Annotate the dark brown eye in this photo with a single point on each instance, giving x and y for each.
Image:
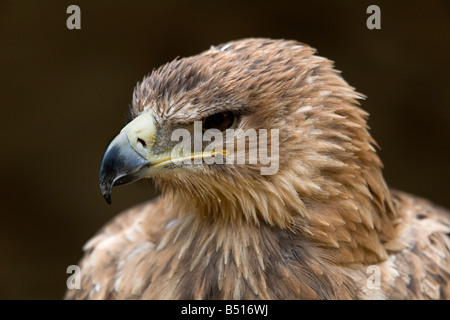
(221, 121)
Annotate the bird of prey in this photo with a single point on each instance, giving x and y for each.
(323, 225)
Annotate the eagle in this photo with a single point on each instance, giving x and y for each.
(323, 224)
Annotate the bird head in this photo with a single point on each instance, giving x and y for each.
(261, 129)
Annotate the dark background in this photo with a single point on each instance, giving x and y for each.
(64, 95)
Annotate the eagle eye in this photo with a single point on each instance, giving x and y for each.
(220, 121)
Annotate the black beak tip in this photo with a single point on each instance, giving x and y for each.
(107, 198)
(105, 188)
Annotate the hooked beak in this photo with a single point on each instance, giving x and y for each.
(126, 158)
(120, 165)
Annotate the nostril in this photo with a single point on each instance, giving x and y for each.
(139, 140)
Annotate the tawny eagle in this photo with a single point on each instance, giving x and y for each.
(325, 225)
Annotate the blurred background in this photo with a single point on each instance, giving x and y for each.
(64, 95)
